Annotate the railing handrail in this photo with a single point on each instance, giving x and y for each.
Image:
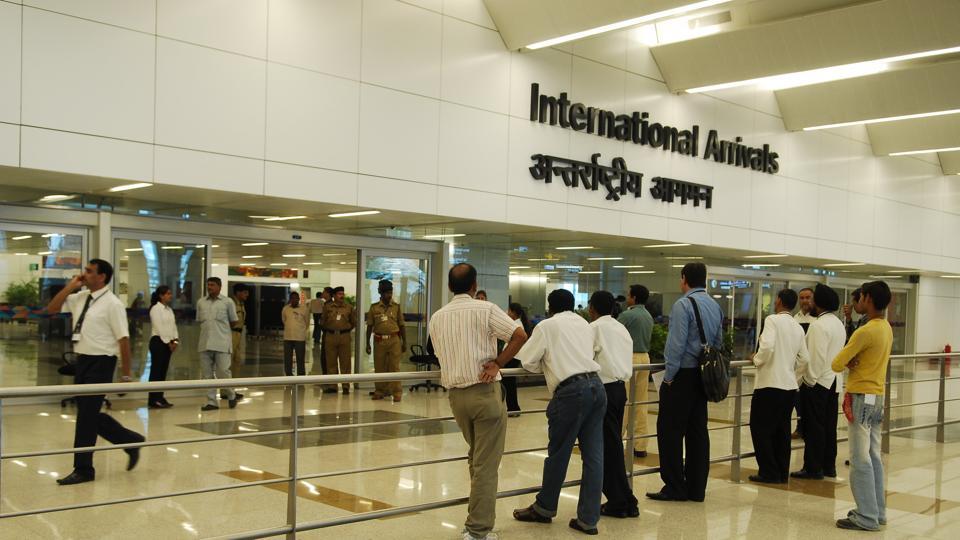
(285, 380)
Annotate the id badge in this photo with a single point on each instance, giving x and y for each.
(338, 316)
(870, 399)
(383, 318)
(76, 337)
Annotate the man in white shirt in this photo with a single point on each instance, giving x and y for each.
(818, 393)
(613, 351)
(216, 313)
(100, 333)
(296, 320)
(464, 335)
(782, 354)
(562, 348)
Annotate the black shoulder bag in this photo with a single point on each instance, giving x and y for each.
(714, 364)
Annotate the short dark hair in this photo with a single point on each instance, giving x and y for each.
(103, 267)
(216, 280)
(879, 292)
(294, 293)
(856, 294)
(339, 289)
(328, 290)
(239, 288)
(483, 292)
(319, 294)
(461, 278)
(602, 302)
(788, 298)
(825, 298)
(560, 300)
(639, 293)
(695, 273)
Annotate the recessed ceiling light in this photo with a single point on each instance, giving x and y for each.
(261, 217)
(574, 247)
(44, 253)
(24, 237)
(284, 218)
(665, 245)
(591, 272)
(772, 256)
(133, 249)
(128, 187)
(354, 214)
(549, 272)
(200, 246)
(929, 151)
(215, 246)
(605, 258)
(251, 256)
(950, 277)
(534, 260)
(626, 23)
(684, 258)
(888, 276)
(835, 265)
(311, 263)
(568, 266)
(55, 198)
(630, 266)
(21, 253)
(294, 255)
(278, 264)
(759, 265)
(50, 235)
(451, 235)
(518, 267)
(643, 272)
(171, 247)
(251, 244)
(884, 119)
(677, 265)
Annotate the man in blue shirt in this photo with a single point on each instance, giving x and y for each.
(683, 403)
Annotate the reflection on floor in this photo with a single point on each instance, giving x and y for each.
(313, 492)
(327, 438)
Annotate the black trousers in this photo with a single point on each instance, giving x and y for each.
(90, 421)
(819, 428)
(317, 329)
(159, 364)
(289, 348)
(770, 411)
(510, 387)
(616, 486)
(682, 422)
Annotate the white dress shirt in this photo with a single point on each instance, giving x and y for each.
(560, 347)
(782, 354)
(163, 323)
(825, 338)
(613, 349)
(464, 334)
(104, 324)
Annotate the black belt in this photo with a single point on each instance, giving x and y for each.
(237, 330)
(337, 332)
(577, 377)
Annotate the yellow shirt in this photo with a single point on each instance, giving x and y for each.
(870, 345)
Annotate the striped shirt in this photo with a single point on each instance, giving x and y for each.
(464, 334)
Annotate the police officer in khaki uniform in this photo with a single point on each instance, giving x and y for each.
(240, 294)
(385, 324)
(339, 320)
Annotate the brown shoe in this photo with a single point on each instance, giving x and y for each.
(376, 397)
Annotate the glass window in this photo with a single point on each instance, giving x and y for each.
(410, 290)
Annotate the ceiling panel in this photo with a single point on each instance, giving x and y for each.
(916, 134)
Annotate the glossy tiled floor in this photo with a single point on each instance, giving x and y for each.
(924, 476)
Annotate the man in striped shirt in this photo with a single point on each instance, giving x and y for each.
(464, 335)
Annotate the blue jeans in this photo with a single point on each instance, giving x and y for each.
(866, 467)
(575, 413)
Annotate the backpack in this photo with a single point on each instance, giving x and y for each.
(714, 364)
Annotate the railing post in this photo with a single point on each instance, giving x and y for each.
(885, 438)
(942, 405)
(738, 414)
(632, 420)
(292, 466)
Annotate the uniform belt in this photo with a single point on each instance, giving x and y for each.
(237, 330)
(577, 377)
(384, 337)
(336, 332)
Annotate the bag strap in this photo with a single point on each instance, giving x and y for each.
(696, 313)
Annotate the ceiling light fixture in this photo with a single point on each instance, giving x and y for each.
(950, 277)
(605, 258)
(821, 75)
(21, 253)
(626, 23)
(567, 248)
(24, 237)
(311, 263)
(128, 187)
(534, 260)
(759, 265)
(677, 265)
(665, 245)
(260, 217)
(334, 254)
(278, 264)
(294, 255)
(251, 256)
(591, 272)
(284, 218)
(171, 247)
(772, 256)
(888, 276)
(451, 235)
(884, 119)
(835, 265)
(630, 266)
(133, 249)
(50, 235)
(251, 244)
(518, 267)
(643, 272)
(928, 151)
(354, 214)
(549, 272)
(44, 253)
(692, 258)
(55, 198)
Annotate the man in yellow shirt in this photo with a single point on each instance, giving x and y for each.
(867, 355)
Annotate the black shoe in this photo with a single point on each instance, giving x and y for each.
(621, 514)
(806, 475)
(346, 391)
(223, 395)
(530, 515)
(76, 477)
(661, 496)
(133, 456)
(233, 402)
(851, 526)
(831, 473)
(329, 390)
(575, 525)
(209, 407)
(639, 453)
(155, 406)
(763, 480)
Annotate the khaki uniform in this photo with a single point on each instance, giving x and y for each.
(338, 321)
(387, 325)
(236, 359)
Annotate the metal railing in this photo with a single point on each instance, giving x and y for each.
(295, 384)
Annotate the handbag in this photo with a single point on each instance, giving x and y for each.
(714, 364)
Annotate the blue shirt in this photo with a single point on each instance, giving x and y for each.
(683, 339)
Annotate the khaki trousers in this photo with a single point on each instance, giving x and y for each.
(236, 358)
(386, 359)
(338, 354)
(642, 381)
(480, 412)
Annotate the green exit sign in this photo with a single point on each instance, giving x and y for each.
(34, 266)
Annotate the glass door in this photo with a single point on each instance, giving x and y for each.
(409, 273)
